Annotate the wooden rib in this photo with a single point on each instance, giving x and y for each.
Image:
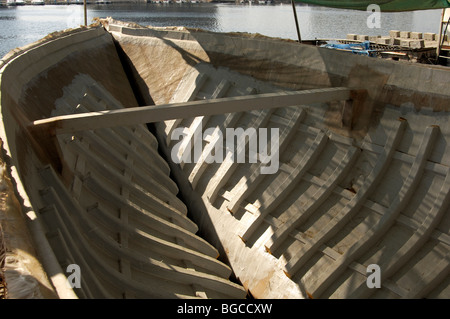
(318, 198)
(101, 93)
(171, 230)
(135, 138)
(142, 180)
(163, 225)
(65, 256)
(90, 283)
(154, 204)
(149, 157)
(247, 184)
(200, 166)
(153, 221)
(195, 80)
(431, 279)
(310, 248)
(228, 166)
(221, 89)
(132, 139)
(381, 210)
(148, 265)
(357, 267)
(198, 122)
(128, 142)
(190, 94)
(123, 236)
(146, 217)
(107, 102)
(171, 125)
(422, 234)
(144, 184)
(290, 182)
(361, 269)
(194, 135)
(437, 168)
(112, 155)
(145, 137)
(199, 291)
(157, 113)
(402, 219)
(386, 221)
(165, 248)
(84, 242)
(417, 240)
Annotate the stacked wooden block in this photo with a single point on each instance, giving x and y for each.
(408, 39)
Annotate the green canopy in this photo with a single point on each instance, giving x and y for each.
(385, 5)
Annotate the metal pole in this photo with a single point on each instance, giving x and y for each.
(85, 12)
(296, 21)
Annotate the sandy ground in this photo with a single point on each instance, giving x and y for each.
(18, 262)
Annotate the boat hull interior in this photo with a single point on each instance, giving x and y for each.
(360, 183)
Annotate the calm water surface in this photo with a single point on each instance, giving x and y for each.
(22, 25)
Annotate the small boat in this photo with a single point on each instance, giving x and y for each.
(38, 2)
(119, 160)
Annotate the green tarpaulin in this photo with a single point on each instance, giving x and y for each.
(385, 5)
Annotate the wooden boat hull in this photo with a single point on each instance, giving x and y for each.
(101, 201)
(361, 182)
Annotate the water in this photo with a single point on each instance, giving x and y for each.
(25, 24)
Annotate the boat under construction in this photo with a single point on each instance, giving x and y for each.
(111, 136)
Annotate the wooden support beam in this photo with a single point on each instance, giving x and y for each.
(157, 113)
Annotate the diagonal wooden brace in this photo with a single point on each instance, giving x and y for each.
(157, 113)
